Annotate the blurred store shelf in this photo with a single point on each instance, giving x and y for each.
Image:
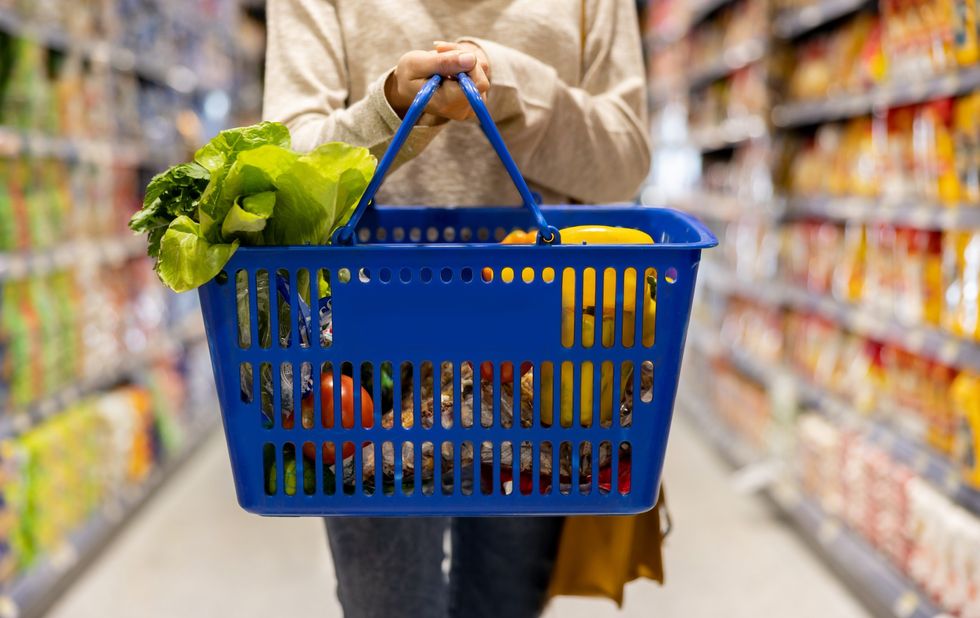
(736, 57)
(866, 571)
(920, 339)
(42, 262)
(17, 421)
(177, 77)
(912, 212)
(34, 592)
(730, 133)
(875, 426)
(724, 207)
(898, 92)
(15, 142)
(792, 23)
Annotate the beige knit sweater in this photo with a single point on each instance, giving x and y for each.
(571, 105)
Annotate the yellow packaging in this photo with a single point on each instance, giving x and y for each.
(965, 399)
(967, 48)
(966, 136)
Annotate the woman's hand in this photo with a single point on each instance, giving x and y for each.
(447, 59)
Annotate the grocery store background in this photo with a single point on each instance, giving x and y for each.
(824, 461)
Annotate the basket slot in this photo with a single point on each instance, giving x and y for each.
(568, 304)
(403, 390)
(401, 468)
(606, 387)
(447, 465)
(425, 395)
(566, 468)
(629, 318)
(608, 294)
(489, 473)
(287, 417)
(465, 396)
(648, 320)
(328, 482)
(591, 311)
(246, 382)
(388, 464)
(305, 310)
(547, 471)
(627, 400)
(428, 472)
(262, 313)
(447, 396)
(355, 470)
(523, 468)
(306, 399)
(382, 404)
(243, 314)
(624, 479)
(417, 411)
(497, 384)
(282, 316)
(544, 400)
(585, 473)
(267, 398)
(348, 473)
(507, 465)
(326, 407)
(467, 473)
(571, 395)
(587, 393)
(309, 468)
(524, 398)
(324, 318)
(366, 471)
(646, 382)
(605, 455)
(376, 379)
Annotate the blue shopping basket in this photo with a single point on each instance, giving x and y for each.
(476, 378)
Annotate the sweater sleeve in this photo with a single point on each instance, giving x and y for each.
(307, 85)
(552, 127)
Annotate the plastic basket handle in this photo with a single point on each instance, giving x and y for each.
(549, 234)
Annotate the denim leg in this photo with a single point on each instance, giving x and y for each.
(501, 566)
(389, 567)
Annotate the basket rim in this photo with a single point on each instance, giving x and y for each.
(705, 238)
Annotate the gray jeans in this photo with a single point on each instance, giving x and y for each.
(392, 567)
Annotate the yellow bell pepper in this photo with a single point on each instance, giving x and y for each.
(595, 235)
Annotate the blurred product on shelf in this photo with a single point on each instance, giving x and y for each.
(76, 324)
(926, 151)
(905, 41)
(741, 404)
(965, 395)
(934, 541)
(847, 59)
(745, 175)
(63, 471)
(733, 25)
(914, 276)
(104, 381)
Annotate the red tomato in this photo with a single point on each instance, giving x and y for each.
(347, 412)
(506, 371)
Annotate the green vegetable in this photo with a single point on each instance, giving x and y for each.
(246, 187)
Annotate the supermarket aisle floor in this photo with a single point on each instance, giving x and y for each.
(193, 554)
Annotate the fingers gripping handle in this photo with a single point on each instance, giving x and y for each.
(548, 234)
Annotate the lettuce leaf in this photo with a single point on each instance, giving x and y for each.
(187, 260)
(173, 193)
(221, 151)
(246, 187)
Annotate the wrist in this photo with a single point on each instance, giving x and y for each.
(393, 96)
